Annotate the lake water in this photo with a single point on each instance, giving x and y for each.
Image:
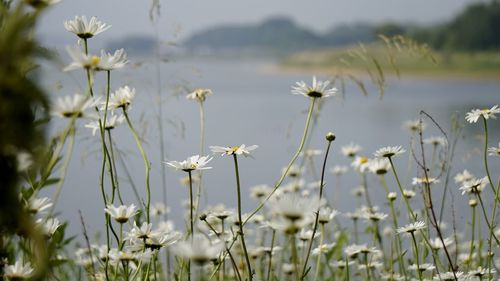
(253, 105)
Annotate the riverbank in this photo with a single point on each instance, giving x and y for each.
(369, 59)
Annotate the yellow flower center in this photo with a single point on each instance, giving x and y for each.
(234, 148)
(363, 160)
(95, 60)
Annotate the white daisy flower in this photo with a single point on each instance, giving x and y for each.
(436, 141)
(361, 163)
(350, 150)
(424, 180)
(48, 227)
(463, 177)
(142, 232)
(38, 205)
(391, 196)
(389, 151)
(159, 209)
(192, 163)
(73, 106)
(108, 61)
(414, 125)
(81, 60)
(294, 211)
(122, 213)
(306, 235)
(200, 251)
(474, 186)
(260, 191)
(85, 29)
(112, 122)
(437, 244)
(422, 267)
(494, 151)
(309, 153)
(339, 170)
(411, 228)
(234, 150)
(199, 94)
(409, 193)
(161, 240)
(326, 214)
(323, 249)
(121, 98)
(480, 273)
(473, 115)
(18, 271)
(318, 89)
(449, 276)
(379, 166)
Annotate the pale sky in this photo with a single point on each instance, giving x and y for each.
(182, 17)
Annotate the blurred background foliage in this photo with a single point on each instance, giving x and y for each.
(22, 101)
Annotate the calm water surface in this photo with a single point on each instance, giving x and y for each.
(252, 105)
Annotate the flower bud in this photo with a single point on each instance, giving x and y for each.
(330, 136)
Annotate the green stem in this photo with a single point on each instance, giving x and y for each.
(295, 258)
(146, 163)
(271, 256)
(416, 255)
(318, 260)
(473, 228)
(240, 221)
(410, 211)
(485, 155)
(64, 168)
(316, 220)
(202, 145)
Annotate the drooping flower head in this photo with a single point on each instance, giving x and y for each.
(233, 150)
(84, 28)
(474, 186)
(192, 163)
(473, 115)
(199, 94)
(318, 89)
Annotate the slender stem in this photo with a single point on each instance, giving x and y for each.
(294, 158)
(416, 255)
(64, 168)
(410, 211)
(295, 258)
(202, 145)
(368, 277)
(490, 226)
(271, 256)
(112, 168)
(473, 228)
(146, 162)
(316, 220)
(485, 156)
(240, 221)
(191, 221)
(318, 260)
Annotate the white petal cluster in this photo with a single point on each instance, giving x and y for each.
(192, 163)
(73, 106)
(199, 94)
(389, 151)
(84, 28)
(121, 98)
(234, 150)
(318, 89)
(474, 115)
(122, 213)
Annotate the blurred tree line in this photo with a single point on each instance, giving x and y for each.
(476, 28)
